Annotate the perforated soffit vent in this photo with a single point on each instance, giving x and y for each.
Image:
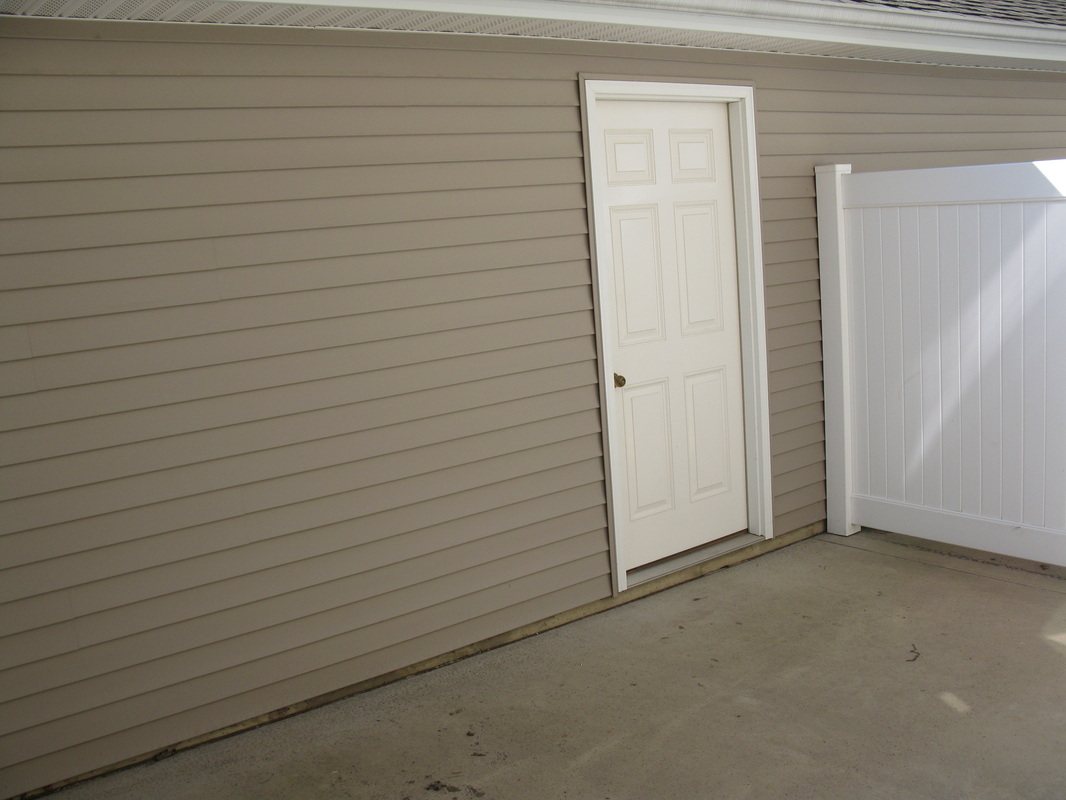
(805, 27)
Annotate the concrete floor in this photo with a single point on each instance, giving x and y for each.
(861, 668)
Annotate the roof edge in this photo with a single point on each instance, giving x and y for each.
(808, 27)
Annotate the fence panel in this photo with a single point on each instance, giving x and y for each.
(944, 316)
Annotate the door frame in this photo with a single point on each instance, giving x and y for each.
(740, 104)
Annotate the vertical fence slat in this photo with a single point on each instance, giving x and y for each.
(1055, 370)
(932, 400)
(873, 261)
(991, 366)
(970, 356)
(860, 395)
(1012, 287)
(896, 236)
(911, 379)
(947, 221)
(1035, 362)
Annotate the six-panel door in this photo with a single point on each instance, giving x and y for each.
(672, 326)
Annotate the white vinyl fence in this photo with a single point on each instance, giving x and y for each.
(944, 325)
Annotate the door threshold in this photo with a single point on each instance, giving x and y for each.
(650, 572)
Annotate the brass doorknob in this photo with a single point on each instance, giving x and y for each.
(619, 380)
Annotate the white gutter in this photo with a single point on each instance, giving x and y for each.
(804, 20)
(816, 27)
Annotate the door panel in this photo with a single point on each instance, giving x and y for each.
(699, 267)
(637, 274)
(708, 438)
(649, 446)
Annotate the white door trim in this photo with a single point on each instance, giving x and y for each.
(740, 105)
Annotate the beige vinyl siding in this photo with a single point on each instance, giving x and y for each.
(310, 402)
(298, 349)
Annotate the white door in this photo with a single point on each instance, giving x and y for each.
(668, 277)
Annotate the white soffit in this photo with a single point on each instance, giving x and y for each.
(809, 27)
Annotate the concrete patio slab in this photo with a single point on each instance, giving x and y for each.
(870, 667)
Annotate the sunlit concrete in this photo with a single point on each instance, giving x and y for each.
(861, 668)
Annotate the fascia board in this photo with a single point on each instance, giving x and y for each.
(810, 27)
(801, 20)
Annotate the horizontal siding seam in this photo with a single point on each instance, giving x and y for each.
(578, 500)
(223, 319)
(356, 279)
(790, 460)
(799, 313)
(803, 492)
(562, 335)
(560, 375)
(151, 406)
(86, 578)
(577, 405)
(526, 578)
(220, 207)
(513, 556)
(589, 415)
(798, 417)
(555, 466)
(151, 429)
(788, 521)
(210, 267)
(574, 205)
(100, 608)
